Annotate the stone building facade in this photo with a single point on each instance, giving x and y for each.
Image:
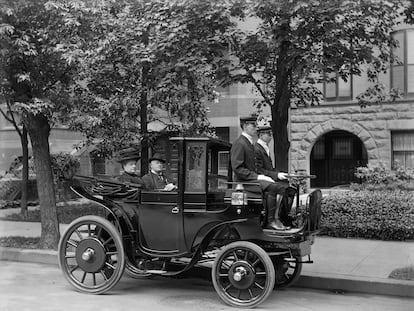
(359, 136)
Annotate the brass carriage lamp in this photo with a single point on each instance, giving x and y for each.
(239, 197)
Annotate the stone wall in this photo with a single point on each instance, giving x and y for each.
(373, 125)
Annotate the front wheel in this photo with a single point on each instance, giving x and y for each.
(243, 274)
(91, 255)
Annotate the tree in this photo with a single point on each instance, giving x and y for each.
(299, 44)
(36, 80)
(9, 115)
(146, 57)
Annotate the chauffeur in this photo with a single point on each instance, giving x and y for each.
(243, 163)
(264, 166)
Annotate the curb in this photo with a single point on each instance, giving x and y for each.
(347, 283)
(29, 255)
(322, 281)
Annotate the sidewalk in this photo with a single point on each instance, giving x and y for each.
(354, 265)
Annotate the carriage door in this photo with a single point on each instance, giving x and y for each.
(161, 219)
(160, 212)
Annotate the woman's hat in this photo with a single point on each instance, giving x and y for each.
(128, 154)
(157, 156)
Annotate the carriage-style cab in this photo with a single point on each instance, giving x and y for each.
(207, 218)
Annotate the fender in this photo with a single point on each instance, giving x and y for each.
(205, 234)
(116, 215)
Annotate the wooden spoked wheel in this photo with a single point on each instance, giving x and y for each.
(91, 255)
(243, 274)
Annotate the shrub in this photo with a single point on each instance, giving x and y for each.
(383, 215)
(380, 174)
(64, 165)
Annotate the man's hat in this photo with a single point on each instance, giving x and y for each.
(128, 154)
(264, 128)
(250, 119)
(157, 156)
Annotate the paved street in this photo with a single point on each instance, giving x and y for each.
(28, 286)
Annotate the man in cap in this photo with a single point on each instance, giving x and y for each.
(156, 178)
(264, 166)
(128, 158)
(243, 162)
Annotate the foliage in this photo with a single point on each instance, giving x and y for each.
(380, 177)
(16, 167)
(34, 74)
(383, 215)
(144, 57)
(36, 80)
(299, 44)
(375, 174)
(64, 166)
(406, 273)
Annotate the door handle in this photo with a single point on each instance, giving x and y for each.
(175, 210)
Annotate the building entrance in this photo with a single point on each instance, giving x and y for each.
(334, 158)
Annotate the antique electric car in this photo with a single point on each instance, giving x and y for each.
(208, 220)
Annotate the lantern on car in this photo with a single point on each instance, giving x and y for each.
(239, 197)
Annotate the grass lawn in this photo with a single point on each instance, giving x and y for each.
(19, 242)
(66, 214)
(406, 273)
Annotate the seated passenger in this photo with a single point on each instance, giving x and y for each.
(156, 178)
(128, 158)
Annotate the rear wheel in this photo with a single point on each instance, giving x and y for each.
(287, 269)
(91, 255)
(243, 274)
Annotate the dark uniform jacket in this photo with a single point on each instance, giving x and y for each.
(243, 163)
(154, 181)
(130, 178)
(264, 163)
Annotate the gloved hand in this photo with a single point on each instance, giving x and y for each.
(264, 177)
(170, 187)
(282, 176)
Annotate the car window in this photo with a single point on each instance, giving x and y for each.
(196, 156)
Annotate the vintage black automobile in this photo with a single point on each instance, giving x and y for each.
(208, 220)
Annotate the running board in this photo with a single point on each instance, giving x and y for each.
(155, 271)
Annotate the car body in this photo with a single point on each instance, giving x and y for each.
(208, 219)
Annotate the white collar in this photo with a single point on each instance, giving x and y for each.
(155, 173)
(264, 145)
(250, 138)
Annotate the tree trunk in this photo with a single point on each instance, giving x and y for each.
(280, 110)
(143, 102)
(39, 129)
(25, 172)
(281, 139)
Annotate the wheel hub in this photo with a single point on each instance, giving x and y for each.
(90, 255)
(241, 275)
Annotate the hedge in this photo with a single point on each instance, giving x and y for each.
(380, 215)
